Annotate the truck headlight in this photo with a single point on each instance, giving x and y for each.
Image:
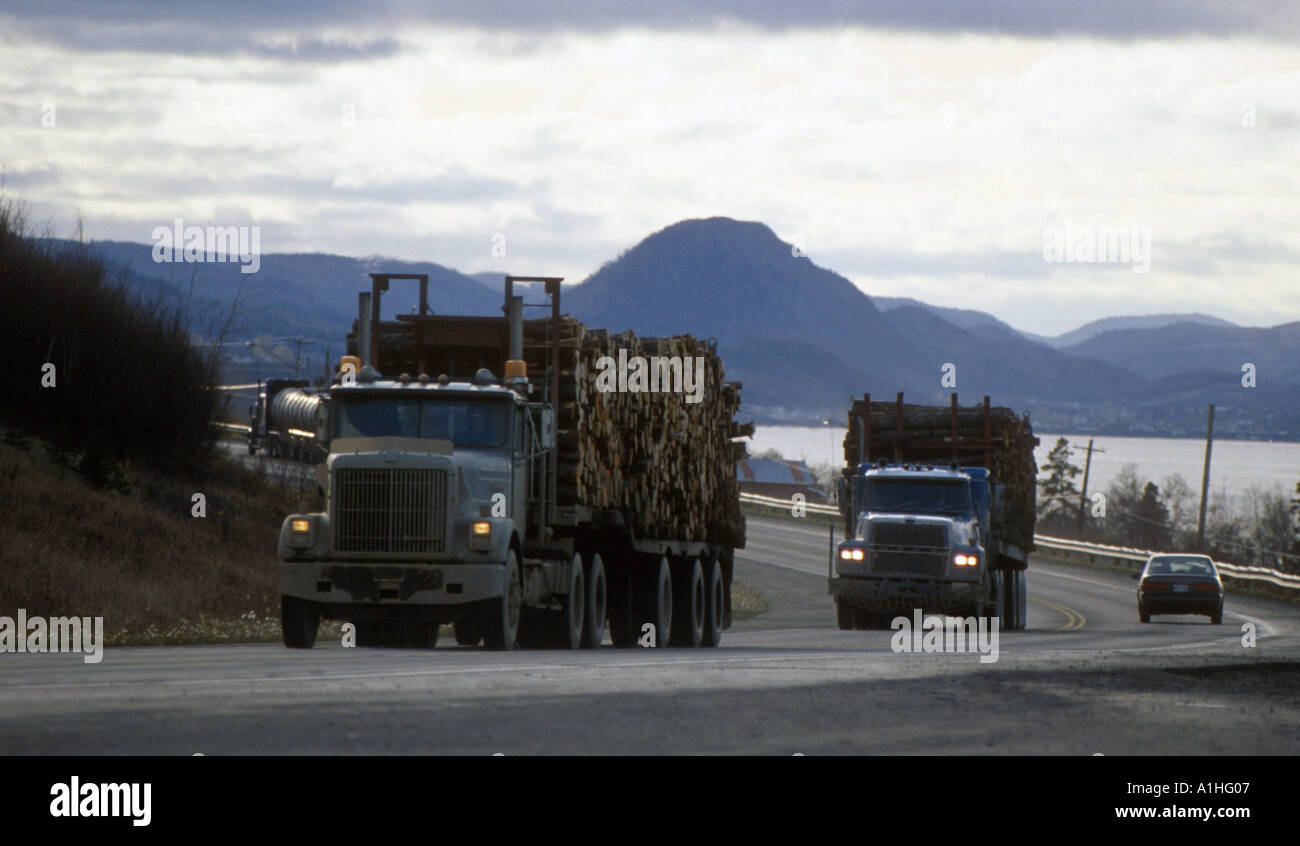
(851, 554)
(300, 532)
(480, 535)
(961, 559)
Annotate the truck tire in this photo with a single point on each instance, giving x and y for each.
(997, 595)
(715, 604)
(467, 634)
(1013, 606)
(299, 622)
(622, 607)
(500, 620)
(655, 601)
(597, 605)
(419, 635)
(843, 615)
(567, 624)
(689, 605)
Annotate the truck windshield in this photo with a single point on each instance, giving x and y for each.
(464, 422)
(913, 496)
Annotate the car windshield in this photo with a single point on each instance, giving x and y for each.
(913, 496)
(464, 422)
(1179, 566)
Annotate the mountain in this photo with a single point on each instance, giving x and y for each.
(1169, 350)
(964, 317)
(802, 338)
(1110, 324)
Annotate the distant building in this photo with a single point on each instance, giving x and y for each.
(770, 477)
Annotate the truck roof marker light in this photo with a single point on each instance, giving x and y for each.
(405, 378)
(424, 378)
(516, 369)
(442, 379)
(484, 377)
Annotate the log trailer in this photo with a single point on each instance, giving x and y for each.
(442, 503)
(938, 509)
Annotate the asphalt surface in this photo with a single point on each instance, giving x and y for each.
(1086, 677)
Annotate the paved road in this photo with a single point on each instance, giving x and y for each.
(1086, 677)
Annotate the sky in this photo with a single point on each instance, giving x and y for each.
(982, 156)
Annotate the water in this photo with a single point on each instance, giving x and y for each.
(1236, 466)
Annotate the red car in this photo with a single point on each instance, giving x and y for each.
(1180, 584)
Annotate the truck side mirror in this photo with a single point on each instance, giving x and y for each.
(547, 435)
(843, 496)
(323, 423)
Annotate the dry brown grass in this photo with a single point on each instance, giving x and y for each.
(154, 572)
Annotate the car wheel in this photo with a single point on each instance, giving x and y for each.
(1217, 617)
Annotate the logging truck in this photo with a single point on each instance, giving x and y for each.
(282, 420)
(938, 509)
(474, 478)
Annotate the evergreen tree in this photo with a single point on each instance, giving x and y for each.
(1058, 499)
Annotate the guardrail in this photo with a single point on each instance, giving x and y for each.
(1092, 550)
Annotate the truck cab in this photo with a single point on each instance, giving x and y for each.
(427, 486)
(918, 539)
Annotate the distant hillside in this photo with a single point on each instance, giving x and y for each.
(1109, 324)
(964, 317)
(1181, 347)
(802, 338)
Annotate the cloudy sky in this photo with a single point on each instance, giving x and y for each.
(921, 149)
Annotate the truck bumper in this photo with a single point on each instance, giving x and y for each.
(899, 595)
(392, 584)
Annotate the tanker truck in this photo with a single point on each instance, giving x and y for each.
(283, 420)
(485, 472)
(939, 508)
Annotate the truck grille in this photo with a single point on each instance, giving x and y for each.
(390, 510)
(906, 548)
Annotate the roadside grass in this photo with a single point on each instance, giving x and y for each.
(135, 555)
(746, 602)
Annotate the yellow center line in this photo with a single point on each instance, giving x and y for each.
(1074, 620)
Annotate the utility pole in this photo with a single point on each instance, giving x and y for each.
(1205, 481)
(1087, 468)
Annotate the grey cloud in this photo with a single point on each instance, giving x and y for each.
(1102, 18)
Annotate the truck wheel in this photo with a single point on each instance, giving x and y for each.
(419, 635)
(567, 624)
(501, 617)
(622, 606)
(689, 605)
(993, 605)
(715, 604)
(467, 634)
(1022, 601)
(299, 622)
(843, 615)
(593, 628)
(655, 606)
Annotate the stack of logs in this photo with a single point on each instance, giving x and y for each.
(926, 437)
(667, 465)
